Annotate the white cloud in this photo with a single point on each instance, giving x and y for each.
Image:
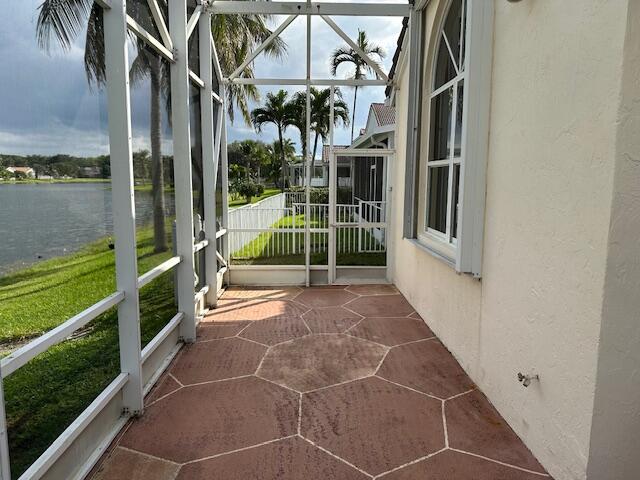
(48, 108)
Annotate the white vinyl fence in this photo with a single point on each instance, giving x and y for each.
(248, 222)
(360, 227)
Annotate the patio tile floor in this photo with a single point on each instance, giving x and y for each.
(319, 383)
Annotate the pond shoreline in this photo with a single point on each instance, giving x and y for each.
(40, 221)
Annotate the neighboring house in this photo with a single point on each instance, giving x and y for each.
(368, 179)
(28, 171)
(370, 173)
(381, 124)
(90, 172)
(515, 216)
(320, 172)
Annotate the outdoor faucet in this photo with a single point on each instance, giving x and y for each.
(527, 379)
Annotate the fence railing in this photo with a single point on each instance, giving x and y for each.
(258, 233)
(23, 355)
(294, 197)
(250, 221)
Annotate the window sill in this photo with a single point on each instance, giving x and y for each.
(431, 251)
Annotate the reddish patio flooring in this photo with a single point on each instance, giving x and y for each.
(314, 384)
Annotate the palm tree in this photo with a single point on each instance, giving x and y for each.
(320, 113)
(279, 112)
(149, 64)
(236, 36)
(298, 105)
(289, 149)
(348, 55)
(62, 21)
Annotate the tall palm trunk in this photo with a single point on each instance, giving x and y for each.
(315, 147)
(283, 162)
(353, 116)
(157, 172)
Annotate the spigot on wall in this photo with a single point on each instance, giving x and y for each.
(527, 379)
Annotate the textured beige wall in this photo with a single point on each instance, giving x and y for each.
(615, 433)
(552, 149)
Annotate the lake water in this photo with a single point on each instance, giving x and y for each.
(40, 221)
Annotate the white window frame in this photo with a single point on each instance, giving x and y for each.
(465, 251)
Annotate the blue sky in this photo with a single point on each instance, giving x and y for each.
(47, 107)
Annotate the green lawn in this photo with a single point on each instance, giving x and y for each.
(43, 397)
(268, 192)
(267, 248)
(147, 187)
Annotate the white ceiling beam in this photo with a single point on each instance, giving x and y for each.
(262, 46)
(346, 82)
(105, 4)
(313, 8)
(354, 46)
(149, 39)
(160, 23)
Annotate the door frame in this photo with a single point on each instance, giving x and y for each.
(387, 155)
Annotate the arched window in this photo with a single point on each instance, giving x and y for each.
(446, 123)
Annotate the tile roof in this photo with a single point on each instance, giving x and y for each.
(325, 151)
(385, 114)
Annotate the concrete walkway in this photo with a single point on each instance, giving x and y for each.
(314, 384)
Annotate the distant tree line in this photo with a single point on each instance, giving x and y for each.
(60, 165)
(63, 166)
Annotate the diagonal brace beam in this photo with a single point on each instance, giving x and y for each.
(216, 62)
(356, 48)
(160, 23)
(149, 39)
(262, 46)
(193, 21)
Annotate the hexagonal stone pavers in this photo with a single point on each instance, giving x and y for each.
(375, 289)
(428, 367)
(182, 426)
(381, 306)
(330, 319)
(288, 459)
(324, 297)
(135, 466)
(318, 361)
(450, 465)
(475, 426)
(253, 309)
(217, 330)
(246, 427)
(391, 331)
(165, 386)
(275, 330)
(373, 424)
(262, 293)
(227, 358)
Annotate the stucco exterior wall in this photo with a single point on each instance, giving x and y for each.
(615, 431)
(552, 149)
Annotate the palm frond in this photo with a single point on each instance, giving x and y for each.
(94, 56)
(61, 21)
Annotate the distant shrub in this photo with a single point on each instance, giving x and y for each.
(246, 188)
(317, 194)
